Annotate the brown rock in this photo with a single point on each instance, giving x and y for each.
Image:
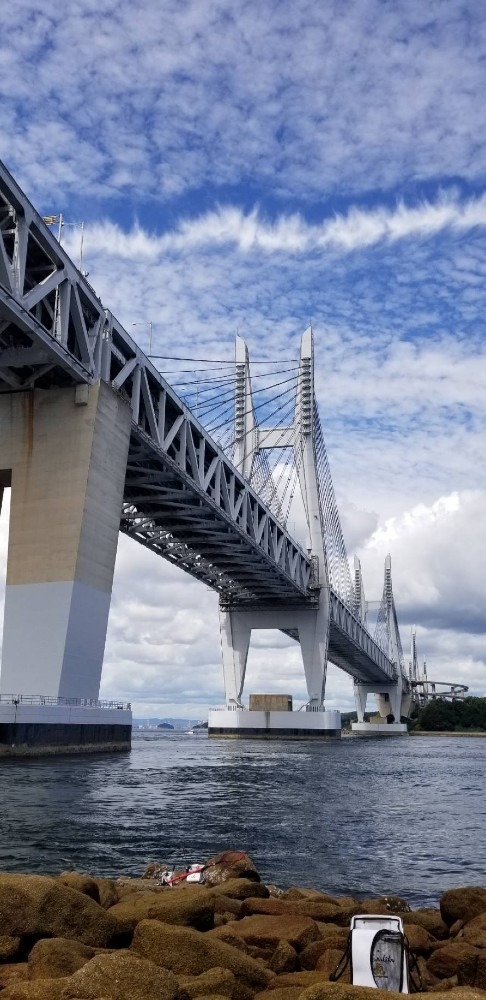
(444, 984)
(42, 989)
(420, 941)
(82, 883)
(264, 932)
(38, 906)
(317, 909)
(327, 912)
(293, 980)
(428, 918)
(220, 919)
(456, 928)
(229, 937)
(9, 947)
(189, 908)
(462, 904)
(239, 888)
(480, 981)
(453, 957)
(229, 865)
(122, 976)
(385, 904)
(475, 931)
(271, 907)
(54, 958)
(107, 891)
(281, 993)
(342, 991)
(328, 962)
(309, 956)
(215, 981)
(12, 972)
(188, 952)
(284, 958)
(300, 892)
(224, 904)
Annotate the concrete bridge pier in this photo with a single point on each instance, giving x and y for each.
(392, 702)
(312, 627)
(63, 452)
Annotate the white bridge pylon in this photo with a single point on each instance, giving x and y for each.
(310, 623)
(393, 700)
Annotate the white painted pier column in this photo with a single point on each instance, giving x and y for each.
(64, 452)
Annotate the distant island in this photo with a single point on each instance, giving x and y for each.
(164, 725)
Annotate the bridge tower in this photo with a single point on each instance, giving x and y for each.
(393, 699)
(308, 623)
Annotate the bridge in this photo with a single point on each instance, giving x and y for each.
(95, 440)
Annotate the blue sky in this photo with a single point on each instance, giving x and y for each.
(254, 167)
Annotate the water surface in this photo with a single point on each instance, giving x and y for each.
(362, 817)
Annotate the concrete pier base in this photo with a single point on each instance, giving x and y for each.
(36, 729)
(240, 724)
(379, 728)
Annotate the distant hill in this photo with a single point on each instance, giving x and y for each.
(173, 723)
(165, 725)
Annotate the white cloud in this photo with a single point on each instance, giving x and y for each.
(291, 234)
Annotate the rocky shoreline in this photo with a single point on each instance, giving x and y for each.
(79, 937)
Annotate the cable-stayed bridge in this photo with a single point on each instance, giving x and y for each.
(94, 439)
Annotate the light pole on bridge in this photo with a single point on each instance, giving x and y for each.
(150, 326)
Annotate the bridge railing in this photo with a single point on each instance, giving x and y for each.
(39, 699)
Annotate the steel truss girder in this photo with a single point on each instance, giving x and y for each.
(54, 331)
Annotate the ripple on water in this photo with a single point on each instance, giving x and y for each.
(352, 817)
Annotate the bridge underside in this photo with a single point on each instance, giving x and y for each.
(176, 520)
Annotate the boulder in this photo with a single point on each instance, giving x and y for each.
(263, 932)
(420, 941)
(328, 962)
(192, 907)
(452, 959)
(224, 904)
(39, 906)
(9, 947)
(107, 891)
(480, 981)
(11, 972)
(54, 958)
(284, 958)
(41, 989)
(293, 980)
(215, 981)
(300, 892)
(122, 976)
(82, 883)
(327, 912)
(220, 919)
(428, 918)
(385, 904)
(330, 930)
(462, 904)
(282, 993)
(342, 991)
(240, 888)
(475, 931)
(229, 865)
(310, 955)
(229, 937)
(270, 907)
(188, 952)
